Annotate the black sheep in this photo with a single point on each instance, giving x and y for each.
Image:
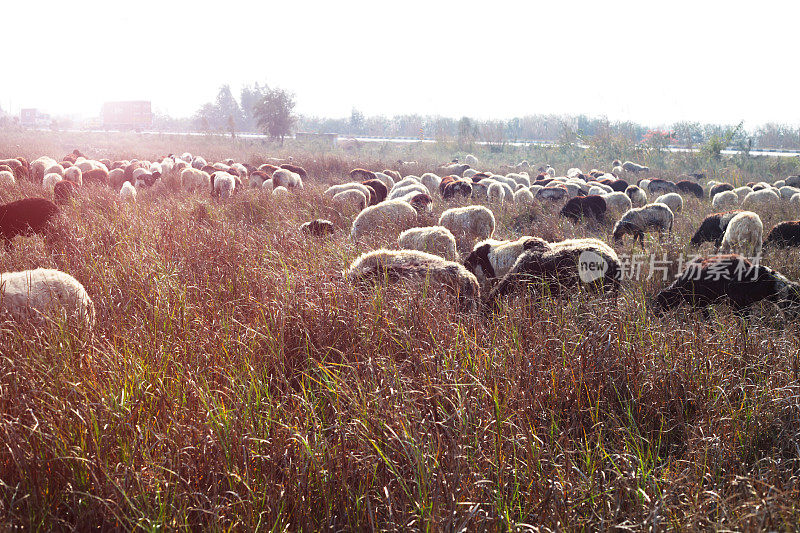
(720, 187)
(728, 278)
(713, 228)
(784, 234)
(690, 187)
(318, 227)
(23, 217)
(593, 206)
(619, 185)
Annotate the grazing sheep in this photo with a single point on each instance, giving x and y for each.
(455, 169)
(379, 188)
(34, 294)
(743, 235)
(784, 234)
(618, 185)
(787, 192)
(725, 200)
(599, 188)
(641, 220)
(468, 173)
(95, 175)
(495, 193)
(286, 178)
(690, 187)
(794, 201)
(764, 200)
(193, 179)
(574, 172)
(401, 191)
(793, 181)
(26, 216)
(630, 166)
(480, 190)
(431, 181)
(38, 167)
(128, 191)
(359, 174)
(223, 185)
(17, 168)
(64, 191)
(468, 224)
(318, 227)
(50, 181)
(718, 188)
(55, 169)
(387, 179)
(390, 213)
(638, 196)
(336, 189)
(491, 259)
(618, 202)
(741, 192)
(713, 228)
(659, 186)
(584, 207)
(420, 201)
(7, 178)
(523, 196)
(351, 199)
(617, 170)
(396, 265)
(672, 200)
(519, 179)
(471, 160)
(433, 239)
(728, 278)
(588, 262)
(258, 178)
(116, 177)
(393, 174)
(457, 187)
(300, 171)
(280, 191)
(553, 193)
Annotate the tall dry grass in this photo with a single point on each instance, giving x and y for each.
(234, 381)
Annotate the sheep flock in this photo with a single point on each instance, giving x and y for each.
(306, 267)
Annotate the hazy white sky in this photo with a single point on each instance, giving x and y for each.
(651, 62)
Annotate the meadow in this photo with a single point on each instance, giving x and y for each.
(235, 381)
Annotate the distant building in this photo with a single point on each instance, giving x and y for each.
(132, 115)
(32, 118)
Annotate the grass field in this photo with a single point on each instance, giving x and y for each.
(235, 381)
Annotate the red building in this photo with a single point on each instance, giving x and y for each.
(132, 115)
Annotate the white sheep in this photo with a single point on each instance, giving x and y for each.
(552, 193)
(55, 169)
(763, 200)
(50, 180)
(115, 178)
(431, 181)
(637, 195)
(408, 180)
(574, 172)
(794, 202)
(287, 179)
(280, 191)
(224, 184)
(193, 179)
(725, 200)
(389, 213)
(598, 189)
(743, 235)
(523, 197)
(7, 178)
(788, 191)
(386, 179)
(267, 185)
(741, 192)
(128, 191)
(492, 259)
(467, 173)
(496, 193)
(468, 224)
(520, 178)
(617, 201)
(395, 265)
(351, 199)
(471, 160)
(333, 190)
(640, 220)
(617, 171)
(32, 294)
(436, 240)
(38, 167)
(400, 191)
(672, 200)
